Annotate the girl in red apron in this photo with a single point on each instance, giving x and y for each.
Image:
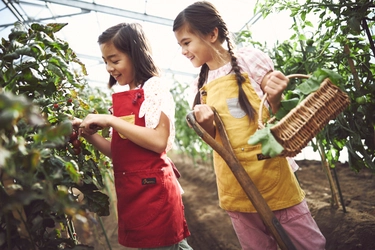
(150, 209)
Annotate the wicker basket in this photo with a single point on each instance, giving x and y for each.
(295, 130)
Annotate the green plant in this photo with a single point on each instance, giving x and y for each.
(42, 86)
(187, 140)
(341, 41)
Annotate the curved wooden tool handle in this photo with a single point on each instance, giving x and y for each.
(256, 198)
(204, 135)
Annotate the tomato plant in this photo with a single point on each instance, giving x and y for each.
(39, 75)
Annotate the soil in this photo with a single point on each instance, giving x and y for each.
(347, 220)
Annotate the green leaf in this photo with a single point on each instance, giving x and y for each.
(95, 168)
(37, 49)
(332, 75)
(11, 57)
(310, 49)
(17, 35)
(73, 170)
(308, 23)
(281, 113)
(354, 25)
(29, 76)
(289, 104)
(55, 70)
(97, 202)
(57, 26)
(302, 37)
(25, 51)
(58, 62)
(310, 85)
(58, 133)
(264, 136)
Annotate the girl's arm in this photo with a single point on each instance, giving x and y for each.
(153, 139)
(274, 83)
(100, 143)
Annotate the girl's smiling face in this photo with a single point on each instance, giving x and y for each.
(118, 64)
(198, 50)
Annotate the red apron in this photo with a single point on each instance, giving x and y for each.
(150, 209)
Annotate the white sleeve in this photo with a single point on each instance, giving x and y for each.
(158, 98)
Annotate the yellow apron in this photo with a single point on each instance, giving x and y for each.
(273, 177)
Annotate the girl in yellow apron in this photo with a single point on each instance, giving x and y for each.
(234, 83)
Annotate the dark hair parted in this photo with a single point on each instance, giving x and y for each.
(130, 39)
(201, 18)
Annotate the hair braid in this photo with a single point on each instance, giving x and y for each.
(201, 18)
(201, 80)
(242, 98)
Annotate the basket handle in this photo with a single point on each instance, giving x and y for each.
(260, 122)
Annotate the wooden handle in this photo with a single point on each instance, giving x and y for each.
(260, 122)
(256, 198)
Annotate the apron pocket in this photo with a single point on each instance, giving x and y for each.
(234, 108)
(140, 196)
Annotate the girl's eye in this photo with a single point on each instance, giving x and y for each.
(187, 43)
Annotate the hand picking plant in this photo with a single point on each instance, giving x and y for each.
(42, 160)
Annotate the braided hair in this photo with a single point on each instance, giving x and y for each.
(201, 18)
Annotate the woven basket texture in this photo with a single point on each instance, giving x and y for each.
(295, 130)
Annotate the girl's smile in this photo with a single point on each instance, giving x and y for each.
(202, 49)
(118, 65)
(194, 48)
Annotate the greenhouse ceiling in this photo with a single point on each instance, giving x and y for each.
(87, 19)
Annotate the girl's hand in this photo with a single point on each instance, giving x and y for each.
(203, 114)
(274, 83)
(205, 117)
(94, 122)
(76, 122)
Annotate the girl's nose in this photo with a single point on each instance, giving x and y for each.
(109, 68)
(184, 51)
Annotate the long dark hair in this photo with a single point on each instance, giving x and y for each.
(130, 39)
(201, 18)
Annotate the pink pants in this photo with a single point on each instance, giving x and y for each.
(296, 221)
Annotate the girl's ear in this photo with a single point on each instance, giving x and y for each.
(214, 35)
